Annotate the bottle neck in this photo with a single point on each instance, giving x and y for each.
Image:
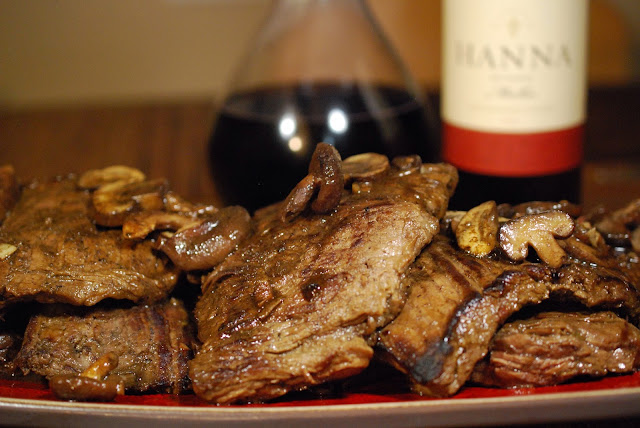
(336, 41)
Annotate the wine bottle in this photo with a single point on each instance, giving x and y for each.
(514, 98)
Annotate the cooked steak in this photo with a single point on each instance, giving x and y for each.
(457, 302)
(554, 347)
(295, 305)
(58, 255)
(9, 345)
(152, 343)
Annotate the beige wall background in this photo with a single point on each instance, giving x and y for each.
(125, 51)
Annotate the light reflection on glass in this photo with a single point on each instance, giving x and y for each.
(295, 144)
(337, 121)
(287, 126)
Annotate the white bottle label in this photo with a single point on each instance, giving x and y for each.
(514, 66)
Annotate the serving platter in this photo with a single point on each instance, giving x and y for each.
(24, 403)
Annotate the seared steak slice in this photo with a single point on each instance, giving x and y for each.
(61, 256)
(153, 344)
(458, 301)
(554, 347)
(295, 305)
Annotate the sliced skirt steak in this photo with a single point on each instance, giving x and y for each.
(152, 342)
(59, 255)
(296, 304)
(554, 347)
(457, 302)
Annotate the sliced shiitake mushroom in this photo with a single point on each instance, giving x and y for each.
(322, 187)
(140, 224)
(537, 207)
(630, 213)
(477, 229)
(364, 167)
(205, 244)
(614, 231)
(95, 178)
(299, 198)
(90, 385)
(540, 232)
(407, 164)
(113, 202)
(326, 166)
(102, 366)
(176, 204)
(616, 227)
(586, 243)
(80, 388)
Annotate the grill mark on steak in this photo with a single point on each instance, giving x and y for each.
(512, 291)
(428, 366)
(451, 314)
(63, 257)
(295, 305)
(554, 347)
(153, 344)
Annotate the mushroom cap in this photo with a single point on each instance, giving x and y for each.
(538, 231)
(477, 230)
(326, 166)
(95, 178)
(364, 166)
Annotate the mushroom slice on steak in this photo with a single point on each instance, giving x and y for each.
(322, 187)
(174, 203)
(364, 167)
(204, 244)
(617, 227)
(191, 241)
(540, 232)
(90, 385)
(299, 198)
(139, 225)
(477, 230)
(537, 207)
(326, 165)
(407, 164)
(113, 202)
(95, 178)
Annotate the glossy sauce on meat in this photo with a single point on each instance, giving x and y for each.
(296, 304)
(61, 256)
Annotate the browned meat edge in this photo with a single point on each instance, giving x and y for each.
(554, 347)
(457, 302)
(153, 343)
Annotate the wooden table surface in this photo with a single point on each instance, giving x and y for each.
(163, 140)
(169, 140)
